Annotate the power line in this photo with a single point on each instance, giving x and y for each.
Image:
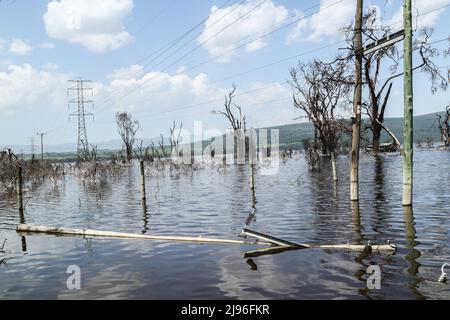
(285, 59)
(176, 41)
(226, 52)
(196, 48)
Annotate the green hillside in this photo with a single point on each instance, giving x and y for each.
(424, 129)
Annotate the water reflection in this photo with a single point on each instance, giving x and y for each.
(381, 212)
(145, 216)
(413, 254)
(293, 204)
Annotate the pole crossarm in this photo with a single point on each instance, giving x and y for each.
(384, 42)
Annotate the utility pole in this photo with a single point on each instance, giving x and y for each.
(354, 173)
(408, 107)
(42, 134)
(80, 101)
(32, 147)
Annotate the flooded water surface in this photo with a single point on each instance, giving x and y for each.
(294, 204)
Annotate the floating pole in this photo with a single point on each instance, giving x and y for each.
(271, 239)
(95, 233)
(280, 243)
(283, 245)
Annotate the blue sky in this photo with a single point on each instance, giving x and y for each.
(45, 43)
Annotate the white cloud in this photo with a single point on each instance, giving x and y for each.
(255, 24)
(50, 66)
(327, 22)
(20, 47)
(155, 93)
(98, 27)
(46, 45)
(22, 86)
(423, 20)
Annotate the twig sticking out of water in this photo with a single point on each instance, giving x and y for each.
(3, 246)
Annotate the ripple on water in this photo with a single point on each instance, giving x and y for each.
(294, 204)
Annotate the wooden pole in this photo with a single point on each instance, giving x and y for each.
(354, 173)
(19, 190)
(266, 239)
(96, 233)
(408, 107)
(333, 165)
(252, 177)
(142, 171)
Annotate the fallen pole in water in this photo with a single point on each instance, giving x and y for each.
(283, 245)
(276, 242)
(96, 233)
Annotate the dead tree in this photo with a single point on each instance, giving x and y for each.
(175, 139)
(319, 89)
(237, 120)
(387, 60)
(444, 127)
(127, 129)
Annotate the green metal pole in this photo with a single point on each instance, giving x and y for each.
(408, 105)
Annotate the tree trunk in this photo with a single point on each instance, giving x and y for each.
(129, 152)
(376, 138)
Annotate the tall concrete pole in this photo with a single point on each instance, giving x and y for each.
(354, 173)
(408, 107)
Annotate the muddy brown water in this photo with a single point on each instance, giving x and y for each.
(293, 204)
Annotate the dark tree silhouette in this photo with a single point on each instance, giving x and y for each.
(127, 129)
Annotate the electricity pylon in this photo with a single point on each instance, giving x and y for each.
(81, 114)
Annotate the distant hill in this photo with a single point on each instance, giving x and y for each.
(290, 135)
(424, 129)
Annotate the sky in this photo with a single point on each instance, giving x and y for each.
(135, 54)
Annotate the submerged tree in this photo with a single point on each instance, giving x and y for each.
(319, 89)
(386, 60)
(236, 118)
(444, 127)
(127, 129)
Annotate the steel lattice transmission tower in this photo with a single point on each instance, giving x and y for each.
(80, 101)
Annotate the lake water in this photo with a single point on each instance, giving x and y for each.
(294, 204)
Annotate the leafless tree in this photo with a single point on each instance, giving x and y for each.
(235, 117)
(444, 127)
(319, 89)
(387, 60)
(127, 129)
(175, 138)
(237, 120)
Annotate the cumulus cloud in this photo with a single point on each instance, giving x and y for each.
(22, 86)
(327, 22)
(420, 20)
(46, 45)
(97, 26)
(155, 93)
(20, 47)
(251, 26)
